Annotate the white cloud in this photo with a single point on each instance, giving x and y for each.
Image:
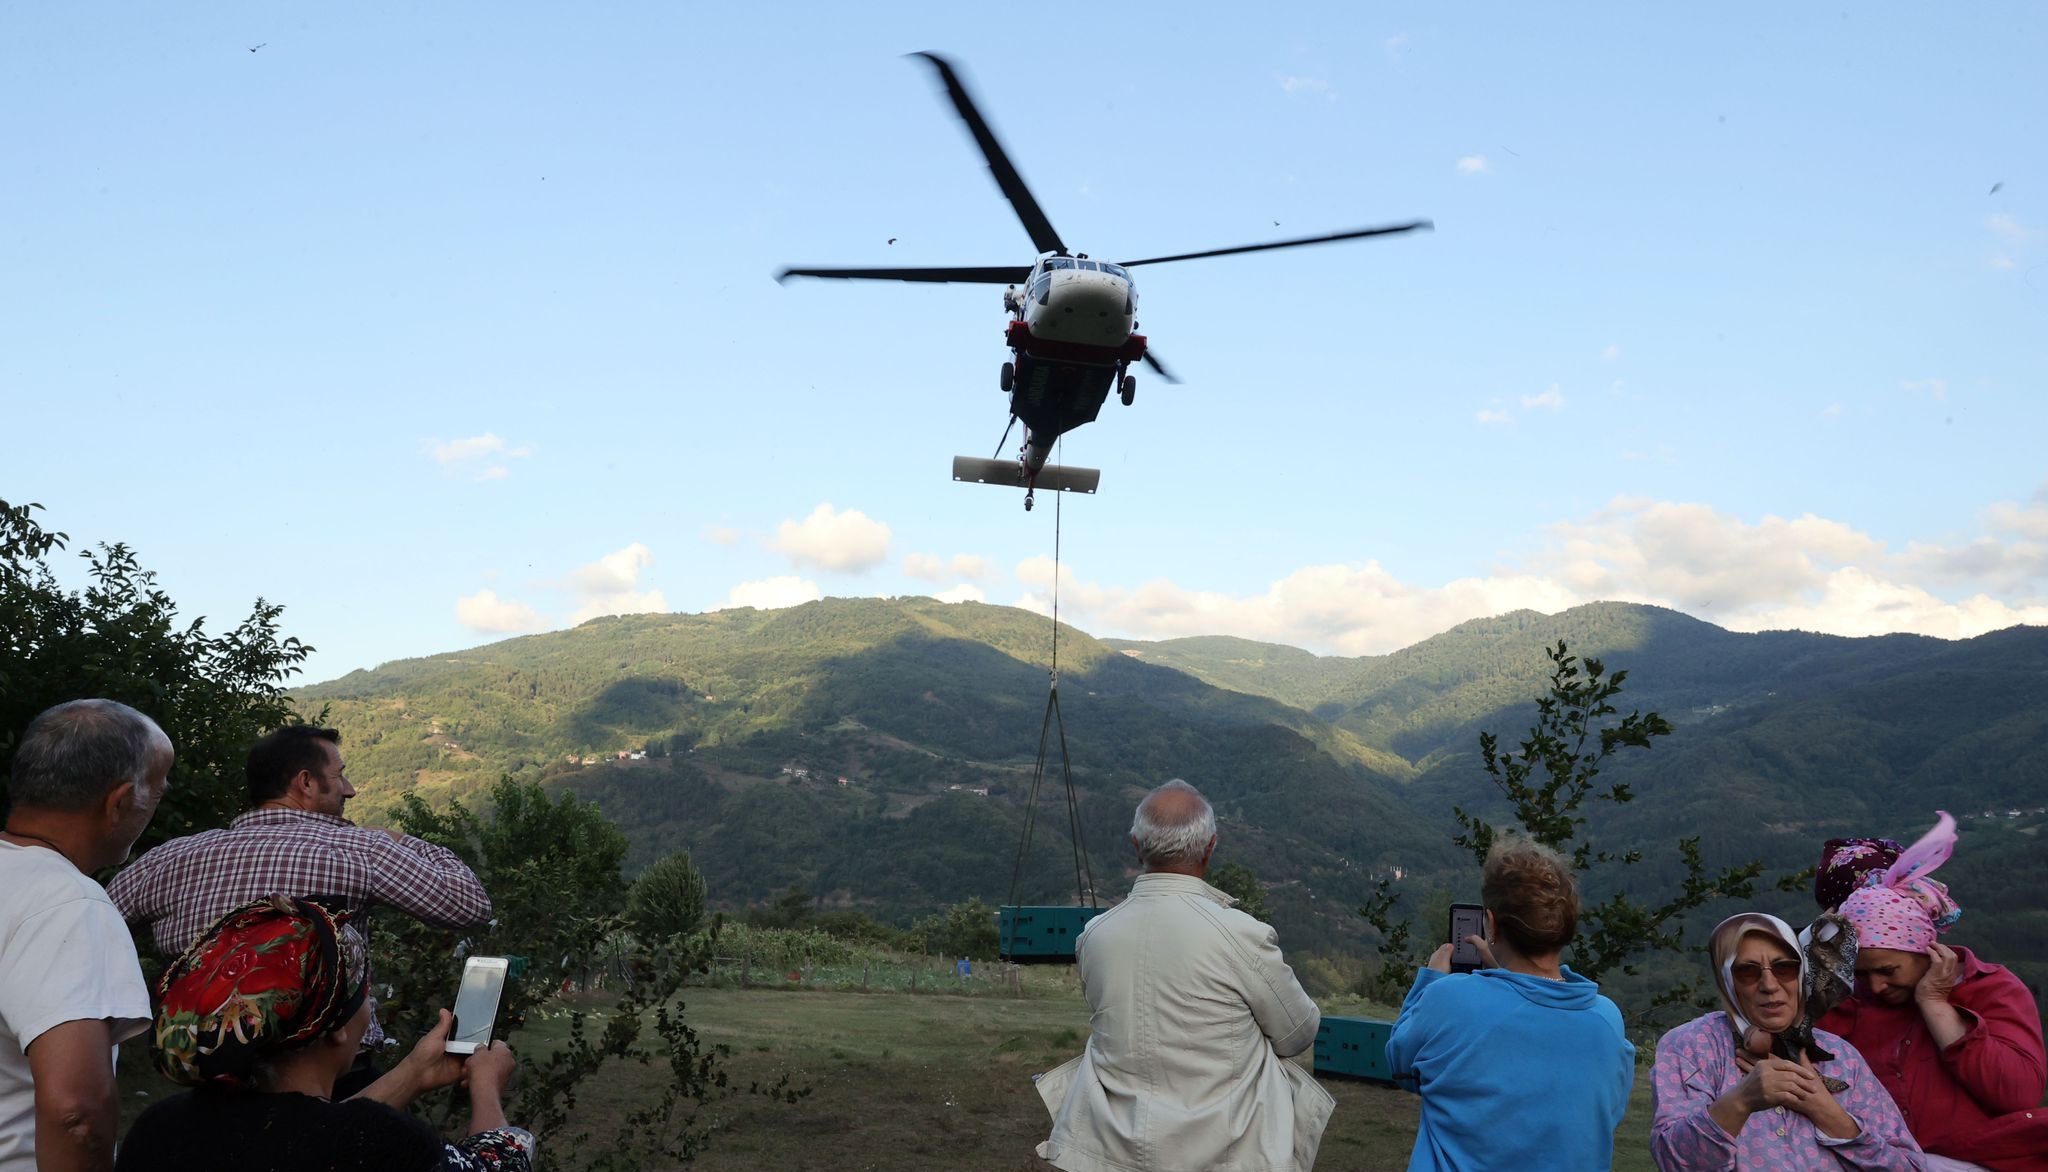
(1611, 353)
(1803, 572)
(1309, 85)
(2029, 519)
(1936, 387)
(1831, 411)
(486, 449)
(720, 535)
(1396, 44)
(1550, 400)
(2002, 261)
(964, 592)
(611, 585)
(484, 611)
(933, 568)
(772, 593)
(456, 451)
(1487, 415)
(833, 540)
(2011, 229)
(1472, 165)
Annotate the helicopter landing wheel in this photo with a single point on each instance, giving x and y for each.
(1008, 377)
(1130, 389)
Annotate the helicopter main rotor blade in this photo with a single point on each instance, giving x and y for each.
(1159, 367)
(1035, 224)
(1332, 238)
(992, 275)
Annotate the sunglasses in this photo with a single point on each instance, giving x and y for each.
(1749, 972)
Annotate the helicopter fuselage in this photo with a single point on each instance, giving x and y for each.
(1071, 330)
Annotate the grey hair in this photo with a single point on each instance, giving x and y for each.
(1181, 842)
(72, 755)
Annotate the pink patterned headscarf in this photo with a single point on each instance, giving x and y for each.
(1906, 910)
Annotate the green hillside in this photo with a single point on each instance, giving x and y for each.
(917, 704)
(1326, 771)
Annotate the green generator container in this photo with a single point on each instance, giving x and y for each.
(1354, 1047)
(1041, 935)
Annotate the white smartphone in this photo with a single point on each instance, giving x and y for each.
(1467, 919)
(476, 1004)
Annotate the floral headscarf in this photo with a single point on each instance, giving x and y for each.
(1905, 910)
(1850, 863)
(267, 976)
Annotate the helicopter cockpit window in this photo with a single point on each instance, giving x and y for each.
(1115, 270)
(1091, 266)
(1061, 262)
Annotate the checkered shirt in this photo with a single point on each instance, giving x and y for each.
(180, 888)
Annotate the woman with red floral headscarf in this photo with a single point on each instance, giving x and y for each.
(1955, 1040)
(260, 1016)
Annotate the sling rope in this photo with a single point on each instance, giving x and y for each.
(1084, 872)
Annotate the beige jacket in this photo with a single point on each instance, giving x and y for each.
(1193, 1016)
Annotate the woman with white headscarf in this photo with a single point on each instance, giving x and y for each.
(1721, 1106)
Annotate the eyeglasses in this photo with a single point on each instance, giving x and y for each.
(1749, 972)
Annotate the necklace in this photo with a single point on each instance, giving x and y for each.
(39, 838)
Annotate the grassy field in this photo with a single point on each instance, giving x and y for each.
(927, 1081)
(942, 1082)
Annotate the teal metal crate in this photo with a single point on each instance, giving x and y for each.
(1041, 935)
(1354, 1047)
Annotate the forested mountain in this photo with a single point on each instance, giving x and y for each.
(750, 718)
(1326, 771)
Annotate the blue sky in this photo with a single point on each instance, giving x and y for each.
(440, 322)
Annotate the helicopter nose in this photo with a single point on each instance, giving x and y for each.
(1095, 295)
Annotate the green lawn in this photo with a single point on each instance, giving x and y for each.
(942, 1082)
(927, 1081)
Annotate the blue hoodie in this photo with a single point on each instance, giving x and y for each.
(1516, 1072)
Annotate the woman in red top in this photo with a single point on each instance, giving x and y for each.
(1955, 1040)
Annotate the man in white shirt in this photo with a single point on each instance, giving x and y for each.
(86, 779)
(1193, 1015)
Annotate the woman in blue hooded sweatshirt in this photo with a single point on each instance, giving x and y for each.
(1522, 1065)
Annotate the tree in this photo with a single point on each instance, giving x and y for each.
(552, 868)
(120, 638)
(792, 909)
(1237, 881)
(964, 929)
(667, 899)
(1547, 780)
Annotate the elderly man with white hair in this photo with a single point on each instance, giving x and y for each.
(85, 780)
(1193, 1015)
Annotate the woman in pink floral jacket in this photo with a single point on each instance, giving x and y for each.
(1721, 1107)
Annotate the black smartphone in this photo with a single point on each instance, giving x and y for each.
(1467, 919)
(476, 1004)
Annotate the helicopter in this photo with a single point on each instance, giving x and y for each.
(1073, 322)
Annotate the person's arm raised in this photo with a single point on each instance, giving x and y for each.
(428, 1067)
(489, 1072)
(430, 883)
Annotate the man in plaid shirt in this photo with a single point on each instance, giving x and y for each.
(293, 840)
